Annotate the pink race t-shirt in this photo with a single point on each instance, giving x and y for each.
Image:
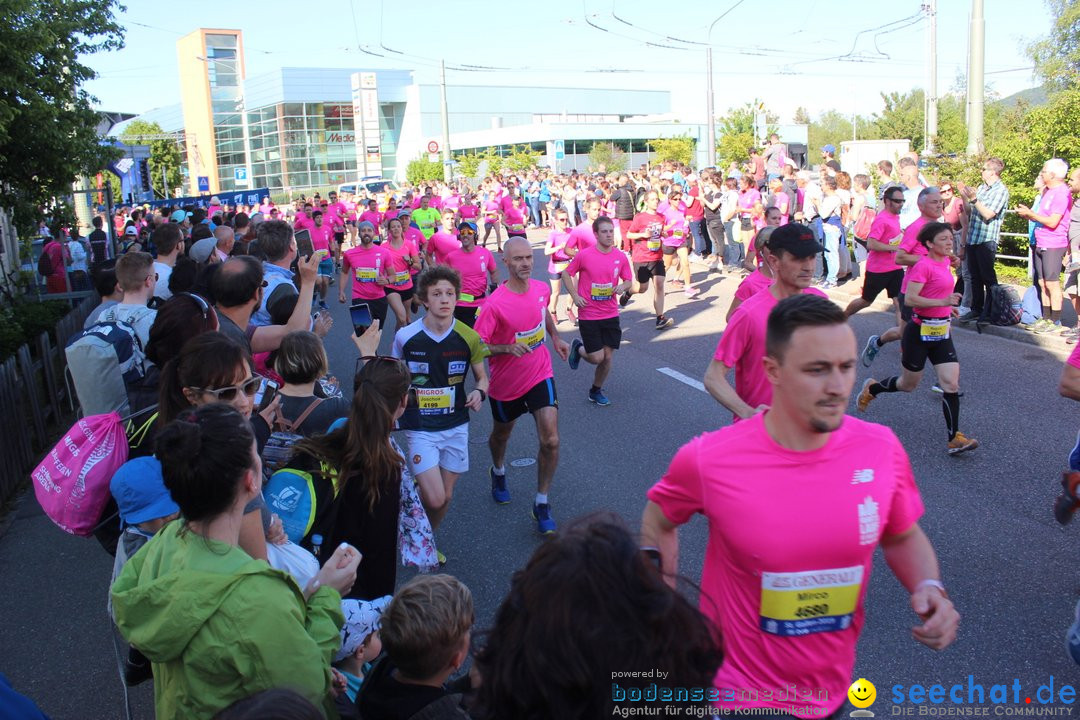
(598, 274)
(400, 278)
(1055, 201)
(442, 244)
(647, 249)
(506, 203)
(581, 237)
(938, 282)
(508, 318)
(752, 284)
(742, 346)
(789, 555)
(886, 230)
(372, 216)
(302, 221)
(491, 211)
(367, 266)
(557, 240)
(469, 212)
(474, 267)
(747, 200)
(675, 230)
(514, 218)
(321, 235)
(414, 235)
(911, 245)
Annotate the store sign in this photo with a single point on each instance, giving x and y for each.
(340, 137)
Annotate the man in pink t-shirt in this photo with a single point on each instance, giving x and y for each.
(789, 554)
(646, 233)
(792, 251)
(443, 242)
(582, 235)
(514, 322)
(369, 266)
(603, 273)
(476, 265)
(882, 272)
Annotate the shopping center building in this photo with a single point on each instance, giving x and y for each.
(297, 128)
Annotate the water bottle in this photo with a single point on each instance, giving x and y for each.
(316, 543)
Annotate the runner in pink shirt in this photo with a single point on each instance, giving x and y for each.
(369, 267)
(476, 265)
(514, 322)
(492, 220)
(882, 272)
(443, 242)
(928, 336)
(603, 273)
(646, 233)
(406, 262)
(322, 239)
(372, 214)
(391, 210)
(557, 262)
(792, 250)
(514, 216)
(789, 555)
(468, 209)
(582, 235)
(676, 242)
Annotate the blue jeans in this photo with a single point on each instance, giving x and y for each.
(534, 210)
(700, 246)
(815, 227)
(832, 252)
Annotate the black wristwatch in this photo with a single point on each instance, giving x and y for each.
(483, 395)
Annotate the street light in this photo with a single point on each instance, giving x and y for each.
(241, 106)
(709, 110)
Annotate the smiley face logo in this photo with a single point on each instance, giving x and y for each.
(862, 693)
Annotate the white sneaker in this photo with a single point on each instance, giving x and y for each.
(963, 310)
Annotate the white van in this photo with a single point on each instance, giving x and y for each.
(379, 188)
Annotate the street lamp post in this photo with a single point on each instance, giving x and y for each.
(709, 101)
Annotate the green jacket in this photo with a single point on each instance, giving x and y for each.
(219, 626)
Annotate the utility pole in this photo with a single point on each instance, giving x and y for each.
(709, 122)
(445, 126)
(931, 89)
(975, 84)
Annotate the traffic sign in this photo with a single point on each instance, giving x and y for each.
(203, 183)
(560, 149)
(240, 176)
(432, 146)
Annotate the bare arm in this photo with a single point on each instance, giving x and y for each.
(905, 258)
(877, 245)
(718, 386)
(735, 303)
(659, 532)
(912, 560)
(1070, 382)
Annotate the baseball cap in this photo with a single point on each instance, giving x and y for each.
(362, 617)
(795, 239)
(130, 230)
(201, 250)
(467, 224)
(829, 149)
(140, 491)
(179, 216)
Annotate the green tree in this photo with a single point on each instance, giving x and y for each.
(735, 131)
(1057, 54)
(470, 163)
(520, 160)
(606, 157)
(48, 127)
(830, 128)
(802, 116)
(902, 118)
(679, 149)
(423, 170)
(164, 154)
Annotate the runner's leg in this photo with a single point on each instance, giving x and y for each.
(547, 428)
(658, 294)
(500, 436)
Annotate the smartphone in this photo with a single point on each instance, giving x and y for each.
(361, 317)
(265, 394)
(304, 247)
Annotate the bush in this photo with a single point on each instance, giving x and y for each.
(23, 322)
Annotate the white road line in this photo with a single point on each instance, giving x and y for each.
(685, 379)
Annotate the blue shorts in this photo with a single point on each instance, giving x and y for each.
(326, 267)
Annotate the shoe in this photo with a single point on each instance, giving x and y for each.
(572, 315)
(691, 292)
(695, 258)
(624, 299)
(574, 358)
(1072, 636)
(136, 673)
(676, 284)
(599, 398)
(499, 492)
(1050, 328)
(870, 351)
(968, 317)
(960, 444)
(323, 305)
(963, 310)
(826, 285)
(440, 557)
(1038, 325)
(542, 515)
(864, 396)
(663, 321)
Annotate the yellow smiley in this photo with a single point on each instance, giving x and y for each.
(862, 693)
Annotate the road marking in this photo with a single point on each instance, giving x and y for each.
(685, 379)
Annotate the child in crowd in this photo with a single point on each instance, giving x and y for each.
(425, 631)
(360, 645)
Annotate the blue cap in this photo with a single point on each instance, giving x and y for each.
(140, 491)
(179, 216)
(831, 149)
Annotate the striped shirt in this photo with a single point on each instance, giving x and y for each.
(996, 198)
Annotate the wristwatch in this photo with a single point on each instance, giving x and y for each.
(483, 395)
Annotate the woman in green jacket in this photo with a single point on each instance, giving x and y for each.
(216, 624)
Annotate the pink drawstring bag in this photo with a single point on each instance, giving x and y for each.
(72, 481)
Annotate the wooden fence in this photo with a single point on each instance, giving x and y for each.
(35, 399)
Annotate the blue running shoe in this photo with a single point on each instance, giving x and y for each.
(542, 514)
(574, 359)
(870, 351)
(599, 398)
(499, 491)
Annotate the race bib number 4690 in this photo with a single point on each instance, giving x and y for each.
(532, 338)
(800, 603)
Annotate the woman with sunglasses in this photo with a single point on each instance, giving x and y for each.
(476, 265)
(405, 256)
(183, 598)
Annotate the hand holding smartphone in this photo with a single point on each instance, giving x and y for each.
(361, 317)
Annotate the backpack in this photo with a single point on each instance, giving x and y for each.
(72, 482)
(863, 223)
(44, 263)
(1005, 306)
(304, 500)
(278, 448)
(103, 359)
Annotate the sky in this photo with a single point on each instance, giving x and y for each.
(843, 54)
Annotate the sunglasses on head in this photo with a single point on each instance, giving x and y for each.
(227, 394)
(365, 359)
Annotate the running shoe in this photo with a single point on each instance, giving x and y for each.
(499, 492)
(542, 515)
(663, 321)
(826, 285)
(676, 284)
(1072, 636)
(865, 397)
(968, 317)
(598, 397)
(870, 351)
(574, 358)
(691, 292)
(624, 299)
(323, 305)
(960, 444)
(440, 557)
(1038, 325)
(1048, 328)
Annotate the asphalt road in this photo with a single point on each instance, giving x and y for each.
(1006, 562)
